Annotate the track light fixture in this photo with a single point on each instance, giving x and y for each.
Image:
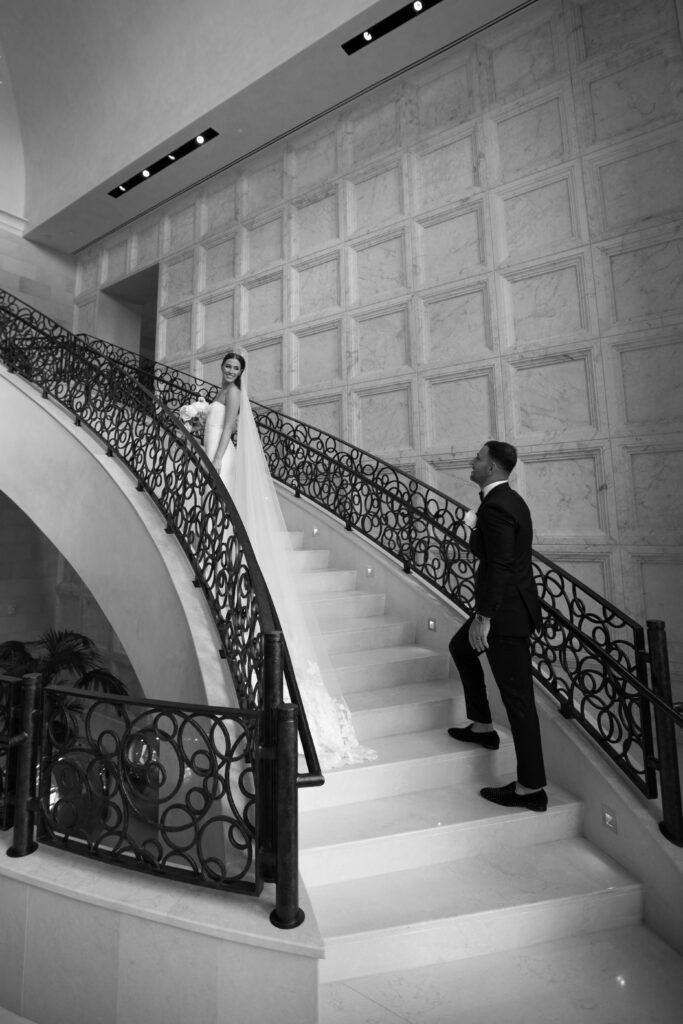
(165, 161)
(388, 24)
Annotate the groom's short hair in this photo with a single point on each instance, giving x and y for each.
(503, 454)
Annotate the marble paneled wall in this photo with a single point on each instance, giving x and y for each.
(489, 245)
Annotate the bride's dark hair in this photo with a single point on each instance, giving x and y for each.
(240, 359)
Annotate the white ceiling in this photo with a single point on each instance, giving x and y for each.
(308, 84)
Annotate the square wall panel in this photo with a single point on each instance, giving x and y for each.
(146, 246)
(638, 187)
(564, 492)
(643, 281)
(263, 303)
(265, 368)
(179, 229)
(385, 418)
(553, 397)
(217, 263)
(115, 262)
(219, 208)
(323, 413)
(217, 322)
(448, 171)
(177, 281)
(461, 411)
(262, 187)
(637, 94)
(88, 274)
(376, 198)
(542, 217)
(209, 368)
(383, 341)
(662, 583)
(452, 476)
(452, 246)
(522, 61)
(650, 375)
(263, 244)
(458, 324)
(317, 355)
(374, 131)
(315, 223)
(533, 136)
(656, 481)
(316, 286)
(446, 98)
(313, 160)
(612, 25)
(546, 302)
(175, 334)
(381, 269)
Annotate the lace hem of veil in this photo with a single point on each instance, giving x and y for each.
(254, 495)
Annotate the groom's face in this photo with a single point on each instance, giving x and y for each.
(481, 467)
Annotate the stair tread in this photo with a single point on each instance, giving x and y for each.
(506, 878)
(402, 694)
(427, 810)
(623, 974)
(394, 652)
(372, 623)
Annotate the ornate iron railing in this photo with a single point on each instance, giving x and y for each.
(10, 708)
(588, 654)
(153, 785)
(95, 382)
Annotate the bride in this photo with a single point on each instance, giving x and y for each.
(243, 468)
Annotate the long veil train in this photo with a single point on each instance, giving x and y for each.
(251, 486)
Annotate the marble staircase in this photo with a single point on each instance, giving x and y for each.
(406, 866)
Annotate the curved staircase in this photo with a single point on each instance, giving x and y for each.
(408, 870)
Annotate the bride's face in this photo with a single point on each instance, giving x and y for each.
(231, 370)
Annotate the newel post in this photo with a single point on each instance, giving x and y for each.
(287, 913)
(23, 841)
(672, 824)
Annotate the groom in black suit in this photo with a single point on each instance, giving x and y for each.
(507, 611)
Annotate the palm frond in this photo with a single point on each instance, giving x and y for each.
(99, 680)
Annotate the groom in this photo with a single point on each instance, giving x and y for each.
(507, 610)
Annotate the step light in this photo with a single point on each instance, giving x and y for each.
(388, 24)
(165, 161)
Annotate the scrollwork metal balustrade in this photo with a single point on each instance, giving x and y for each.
(152, 786)
(588, 654)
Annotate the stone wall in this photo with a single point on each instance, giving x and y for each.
(488, 245)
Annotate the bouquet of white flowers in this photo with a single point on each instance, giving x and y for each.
(470, 518)
(193, 415)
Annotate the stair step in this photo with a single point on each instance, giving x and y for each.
(347, 604)
(503, 899)
(388, 666)
(409, 763)
(323, 580)
(430, 827)
(410, 707)
(307, 559)
(622, 974)
(364, 634)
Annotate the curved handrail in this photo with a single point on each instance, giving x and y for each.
(171, 466)
(583, 635)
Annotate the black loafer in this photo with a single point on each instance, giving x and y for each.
(490, 740)
(507, 797)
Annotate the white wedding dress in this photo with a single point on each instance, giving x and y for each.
(245, 473)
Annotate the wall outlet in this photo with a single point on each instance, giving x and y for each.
(609, 818)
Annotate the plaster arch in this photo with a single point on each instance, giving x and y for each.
(13, 177)
(113, 536)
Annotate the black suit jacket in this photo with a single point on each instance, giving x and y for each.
(504, 588)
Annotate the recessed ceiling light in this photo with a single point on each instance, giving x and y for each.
(388, 24)
(158, 165)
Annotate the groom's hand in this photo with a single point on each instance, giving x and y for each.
(478, 633)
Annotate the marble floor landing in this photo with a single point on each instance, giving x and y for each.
(622, 976)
